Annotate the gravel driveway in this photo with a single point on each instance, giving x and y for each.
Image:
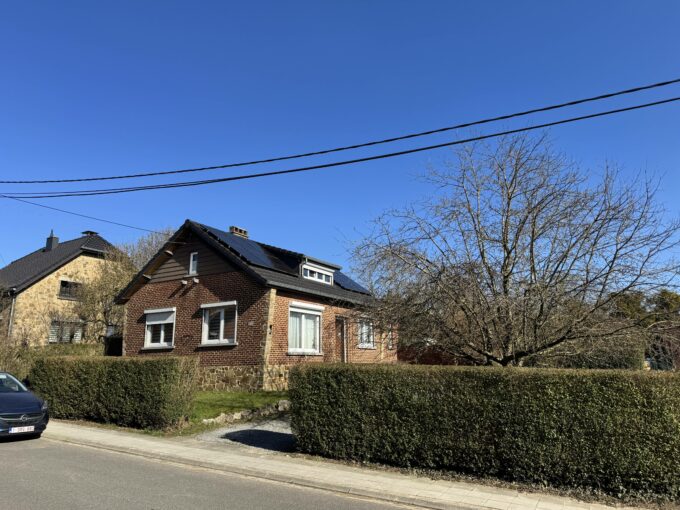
(272, 435)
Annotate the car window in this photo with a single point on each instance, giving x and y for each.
(9, 384)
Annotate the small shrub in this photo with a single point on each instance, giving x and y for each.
(613, 430)
(133, 392)
(18, 360)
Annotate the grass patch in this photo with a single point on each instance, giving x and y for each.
(209, 404)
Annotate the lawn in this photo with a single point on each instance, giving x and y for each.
(209, 404)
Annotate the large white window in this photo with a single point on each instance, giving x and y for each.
(317, 273)
(219, 323)
(160, 328)
(193, 263)
(365, 333)
(304, 329)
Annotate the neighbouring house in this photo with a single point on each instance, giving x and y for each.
(39, 290)
(249, 310)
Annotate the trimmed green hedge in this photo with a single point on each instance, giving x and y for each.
(615, 431)
(150, 393)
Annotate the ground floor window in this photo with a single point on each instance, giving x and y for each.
(160, 327)
(304, 329)
(366, 338)
(219, 323)
(66, 332)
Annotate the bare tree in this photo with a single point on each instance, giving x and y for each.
(141, 250)
(517, 252)
(95, 301)
(95, 305)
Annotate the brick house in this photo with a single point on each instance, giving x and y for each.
(248, 310)
(38, 291)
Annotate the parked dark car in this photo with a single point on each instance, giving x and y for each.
(21, 412)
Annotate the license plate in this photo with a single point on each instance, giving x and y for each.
(19, 430)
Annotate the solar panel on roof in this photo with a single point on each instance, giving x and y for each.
(347, 283)
(273, 258)
(252, 251)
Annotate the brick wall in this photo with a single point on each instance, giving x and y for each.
(331, 346)
(261, 358)
(187, 299)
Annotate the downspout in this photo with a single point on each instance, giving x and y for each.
(11, 313)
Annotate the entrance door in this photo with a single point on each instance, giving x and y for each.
(341, 338)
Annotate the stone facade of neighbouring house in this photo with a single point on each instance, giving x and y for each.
(38, 291)
(246, 310)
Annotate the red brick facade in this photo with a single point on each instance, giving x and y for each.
(261, 352)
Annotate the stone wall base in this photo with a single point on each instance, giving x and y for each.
(275, 377)
(236, 378)
(244, 378)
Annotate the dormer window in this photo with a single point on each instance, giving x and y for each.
(193, 263)
(317, 273)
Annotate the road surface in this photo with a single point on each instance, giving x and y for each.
(45, 474)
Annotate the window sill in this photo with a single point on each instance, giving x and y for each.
(304, 353)
(217, 344)
(367, 347)
(67, 298)
(158, 348)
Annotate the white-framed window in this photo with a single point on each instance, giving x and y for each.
(365, 334)
(304, 328)
(219, 323)
(193, 263)
(160, 328)
(66, 332)
(317, 273)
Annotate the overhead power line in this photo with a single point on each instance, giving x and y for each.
(78, 214)
(359, 145)
(109, 191)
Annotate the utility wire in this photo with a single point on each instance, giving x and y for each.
(109, 191)
(359, 145)
(78, 214)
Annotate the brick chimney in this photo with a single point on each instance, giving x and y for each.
(238, 231)
(52, 242)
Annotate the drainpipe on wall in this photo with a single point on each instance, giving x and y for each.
(11, 313)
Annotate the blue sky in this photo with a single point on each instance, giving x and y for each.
(97, 88)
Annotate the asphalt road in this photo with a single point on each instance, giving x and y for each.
(43, 474)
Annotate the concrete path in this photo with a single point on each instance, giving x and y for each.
(319, 474)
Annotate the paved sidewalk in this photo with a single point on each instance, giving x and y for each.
(370, 483)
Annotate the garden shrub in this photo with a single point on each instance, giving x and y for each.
(617, 431)
(18, 360)
(133, 392)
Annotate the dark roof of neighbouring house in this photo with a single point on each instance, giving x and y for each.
(24, 272)
(270, 265)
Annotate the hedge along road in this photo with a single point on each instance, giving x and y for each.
(46, 474)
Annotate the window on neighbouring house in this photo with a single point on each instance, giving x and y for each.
(219, 323)
(67, 332)
(317, 273)
(160, 328)
(69, 290)
(366, 339)
(193, 263)
(304, 330)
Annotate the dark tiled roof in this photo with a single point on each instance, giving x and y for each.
(280, 267)
(24, 272)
